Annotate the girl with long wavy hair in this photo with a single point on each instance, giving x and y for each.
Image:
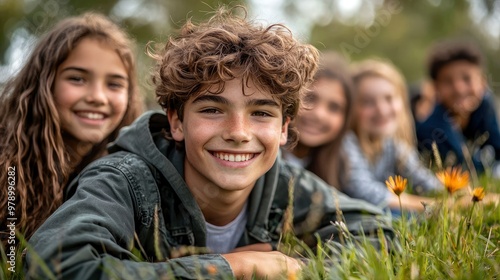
(322, 120)
(76, 90)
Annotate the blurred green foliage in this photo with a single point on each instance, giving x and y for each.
(399, 30)
(403, 31)
(145, 20)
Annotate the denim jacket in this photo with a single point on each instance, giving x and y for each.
(130, 215)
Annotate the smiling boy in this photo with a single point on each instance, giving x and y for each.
(207, 175)
(465, 111)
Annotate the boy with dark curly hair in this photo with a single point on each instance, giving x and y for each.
(200, 192)
(465, 110)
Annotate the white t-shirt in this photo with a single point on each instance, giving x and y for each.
(223, 239)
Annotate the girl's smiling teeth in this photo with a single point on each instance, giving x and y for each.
(233, 157)
(91, 115)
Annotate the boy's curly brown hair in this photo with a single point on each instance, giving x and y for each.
(228, 46)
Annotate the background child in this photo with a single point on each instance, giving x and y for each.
(205, 175)
(76, 90)
(422, 100)
(322, 120)
(382, 139)
(465, 111)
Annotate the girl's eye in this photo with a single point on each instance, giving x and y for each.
(116, 86)
(310, 99)
(334, 108)
(76, 79)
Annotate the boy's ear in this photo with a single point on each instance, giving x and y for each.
(175, 125)
(284, 132)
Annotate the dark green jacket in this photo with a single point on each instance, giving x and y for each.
(128, 214)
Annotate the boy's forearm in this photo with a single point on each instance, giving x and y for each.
(86, 263)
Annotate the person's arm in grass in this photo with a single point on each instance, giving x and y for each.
(359, 181)
(422, 180)
(410, 202)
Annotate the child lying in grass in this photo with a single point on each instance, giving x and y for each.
(206, 177)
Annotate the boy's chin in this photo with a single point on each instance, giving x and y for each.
(465, 109)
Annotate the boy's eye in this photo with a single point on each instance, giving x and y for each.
(261, 114)
(210, 111)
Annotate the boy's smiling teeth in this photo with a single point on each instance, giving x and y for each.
(91, 115)
(233, 157)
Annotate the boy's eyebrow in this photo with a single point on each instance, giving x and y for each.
(263, 102)
(222, 100)
(79, 69)
(211, 98)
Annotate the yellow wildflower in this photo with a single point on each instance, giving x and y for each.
(397, 185)
(478, 194)
(453, 179)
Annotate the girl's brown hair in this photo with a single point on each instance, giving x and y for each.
(326, 160)
(31, 137)
(405, 133)
(225, 47)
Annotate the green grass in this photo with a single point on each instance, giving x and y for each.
(441, 244)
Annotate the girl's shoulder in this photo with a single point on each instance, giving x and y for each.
(350, 139)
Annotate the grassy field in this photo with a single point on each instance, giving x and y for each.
(451, 241)
(455, 242)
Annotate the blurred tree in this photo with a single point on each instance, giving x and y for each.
(146, 20)
(402, 31)
(399, 30)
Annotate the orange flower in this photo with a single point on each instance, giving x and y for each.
(453, 179)
(478, 194)
(397, 185)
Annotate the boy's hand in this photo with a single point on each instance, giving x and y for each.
(260, 247)
(262, 264)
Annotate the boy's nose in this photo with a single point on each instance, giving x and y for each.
(460, 87)
(237, 129)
